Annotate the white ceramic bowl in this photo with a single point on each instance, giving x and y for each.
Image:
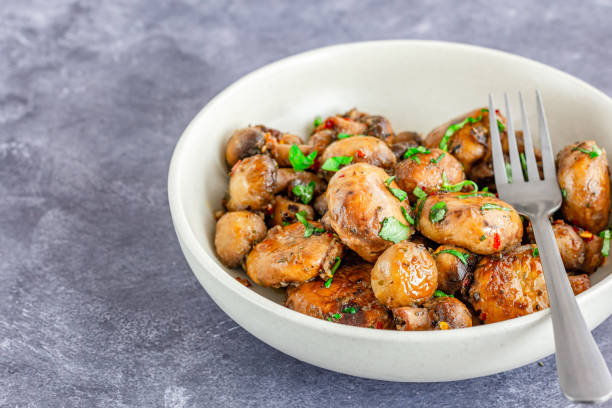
(417, 85)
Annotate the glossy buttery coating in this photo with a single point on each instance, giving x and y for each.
(244, 143)
(252, 183)
(434, 312)
(363, 149)
(404, 275)
(235, 234)
(468, 144)
(508, 285)
(586, 181)
(420, 171)
(350, 288)
(468, 226)
(284, 211)
(286, 257)
(453, 275)
(358, 201)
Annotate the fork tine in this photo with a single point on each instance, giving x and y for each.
(515, 162)
(532, 165)
(499, 166)
(548, 161)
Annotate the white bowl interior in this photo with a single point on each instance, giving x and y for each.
(417, 85)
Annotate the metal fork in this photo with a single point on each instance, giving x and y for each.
(583, 374)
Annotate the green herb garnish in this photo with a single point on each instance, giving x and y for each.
(344, 135)
(491, 206)
(509, 172)
(336, 316)
(318, 120)
(524, 165)
(605, 247)
(437, 160)
(564, 193)
(416, 150)
(437, 212)
(536, 252)
(309, 228)
(397, 192)
(439, 293)
(462, 256)
(393, 230)
(299, 162)
(304, 191)
(332, 272)
(453, 188)
(334, 163)
(285, 223)
(483, 237)
(418, 193)
(407, 216)
(592, 153)
(351, 310)
(476, 194)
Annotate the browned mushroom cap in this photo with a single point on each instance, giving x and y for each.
(284, 211)
(348, 299)
(442, 313)
(286, 256)
(455, 268)
(252, 183)
(508, 285)
(403, 141)
(378, 126)
(412, 318)
(579, 283)
(235, 235)
(427, 171)
(362, 149)
(339, 124)
(583, 174)
(448, 313)
(404, 275)
(358, 202)
(593, 258)
(481, 224)
(468, 144)
(245, 143)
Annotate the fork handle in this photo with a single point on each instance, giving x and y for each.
(583, 373)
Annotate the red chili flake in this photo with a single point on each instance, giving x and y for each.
(496, 241)
(379, 325)
(329, 124)
(497, 111)
(360, 154)
(497, 195)
(329, 234)
(483, 316)
(315, 165)
(340, 176)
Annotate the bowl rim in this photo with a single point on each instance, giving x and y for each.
(188, 240)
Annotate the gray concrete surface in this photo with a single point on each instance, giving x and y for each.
(97, 306)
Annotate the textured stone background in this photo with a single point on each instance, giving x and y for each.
(97, 305)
